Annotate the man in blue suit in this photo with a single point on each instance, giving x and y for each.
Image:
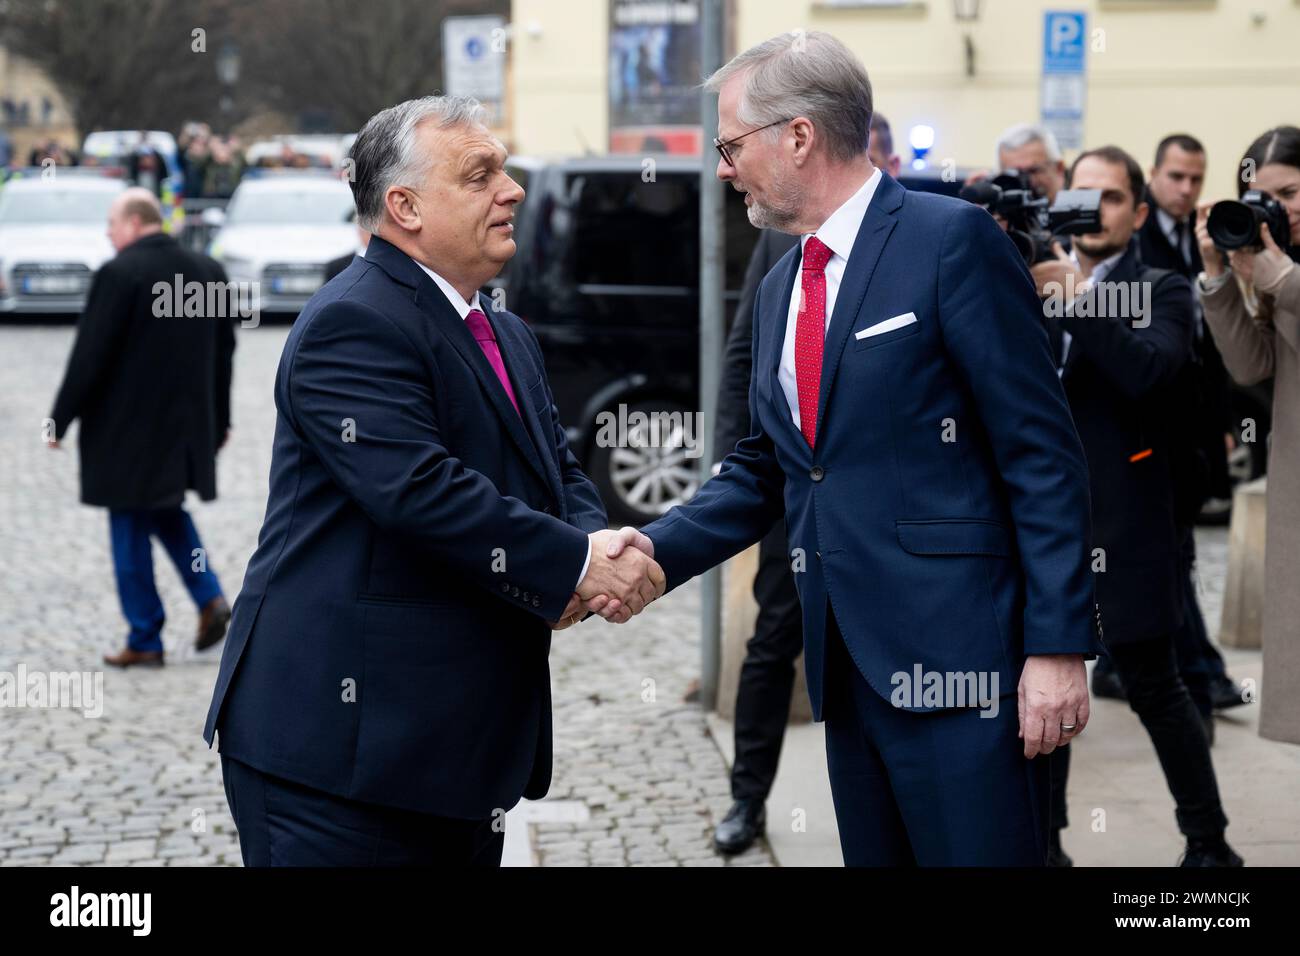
(908, 421)
(384, 695)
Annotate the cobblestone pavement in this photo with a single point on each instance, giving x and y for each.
(138, 786)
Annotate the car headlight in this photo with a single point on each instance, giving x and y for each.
(237, 264)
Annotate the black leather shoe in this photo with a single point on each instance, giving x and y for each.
(1210, 853)
(1107, 684)
(1055, 855)
(1225, 693)
(743, 824)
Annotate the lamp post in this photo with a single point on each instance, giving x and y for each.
(228, 74)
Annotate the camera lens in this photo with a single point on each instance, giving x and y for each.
(1234, 225)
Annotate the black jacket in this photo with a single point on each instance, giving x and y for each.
(738, 359)
(1158, 252)
(152, 391)
(1209, 412)
(1122, 385)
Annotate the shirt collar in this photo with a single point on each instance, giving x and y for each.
(1101, 269)
(840, 231)
(458, 303)
(1167, 223)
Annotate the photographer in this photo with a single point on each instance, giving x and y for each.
(1122, 334)
(1030, 182)
(1251, 302)
(1167, 240)
(1033, 151)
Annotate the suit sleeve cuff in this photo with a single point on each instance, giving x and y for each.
(585, 565)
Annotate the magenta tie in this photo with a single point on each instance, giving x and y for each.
(482, 332)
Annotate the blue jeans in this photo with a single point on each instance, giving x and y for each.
(130, 533)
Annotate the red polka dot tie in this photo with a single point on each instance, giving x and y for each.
(810, 334)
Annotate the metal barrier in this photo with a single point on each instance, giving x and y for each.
(195, 234)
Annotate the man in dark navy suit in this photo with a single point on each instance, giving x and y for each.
(384, 696)
(767, 673)
(908, 421)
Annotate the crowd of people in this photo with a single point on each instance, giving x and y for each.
(1159, 409)
(211, 164)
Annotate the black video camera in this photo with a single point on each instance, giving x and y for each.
(1031, 223)
(1234, 224)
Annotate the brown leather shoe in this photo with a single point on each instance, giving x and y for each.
(212, 623)
(130, 658)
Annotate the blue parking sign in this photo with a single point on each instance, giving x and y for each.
(1063, 41)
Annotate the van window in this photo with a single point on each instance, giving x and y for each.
(630, 232)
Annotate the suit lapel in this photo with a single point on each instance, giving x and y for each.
(877, 224)
(778, 320)
(458, 334)
(1126, 270)
(519, 366)
(430, 300)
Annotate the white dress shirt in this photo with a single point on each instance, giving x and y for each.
(838, 232)
(458, 303)
(463, 309)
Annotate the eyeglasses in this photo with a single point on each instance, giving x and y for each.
(721, 146)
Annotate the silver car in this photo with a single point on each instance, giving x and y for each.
(280, 230)
(53, 237)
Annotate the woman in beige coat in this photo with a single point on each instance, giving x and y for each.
(1252, 308)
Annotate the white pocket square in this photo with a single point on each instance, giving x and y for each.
(897, 322)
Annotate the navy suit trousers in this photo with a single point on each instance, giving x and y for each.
(939, 788)
(282, 823)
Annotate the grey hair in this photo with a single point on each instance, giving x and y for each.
(384, 153)
(810, 74)
(1022, 134)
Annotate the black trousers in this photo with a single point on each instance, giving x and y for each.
(1199, 661)
(282, 823)
(767, 674)
(1156, 693)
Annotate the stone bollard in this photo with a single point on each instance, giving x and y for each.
(1243, 592)
(739, 611)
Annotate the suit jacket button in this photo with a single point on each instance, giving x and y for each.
(817, 473)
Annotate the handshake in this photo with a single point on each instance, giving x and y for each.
(622, 578)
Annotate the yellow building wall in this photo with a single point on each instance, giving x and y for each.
(1222, 70)
(560, 98)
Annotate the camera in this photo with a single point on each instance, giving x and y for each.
(1031, 223)
(1234, 224)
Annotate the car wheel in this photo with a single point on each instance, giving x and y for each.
(645, 470)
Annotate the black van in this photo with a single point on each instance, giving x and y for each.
(607, 275)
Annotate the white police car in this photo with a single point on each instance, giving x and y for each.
(53, 237)
(280, 230)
